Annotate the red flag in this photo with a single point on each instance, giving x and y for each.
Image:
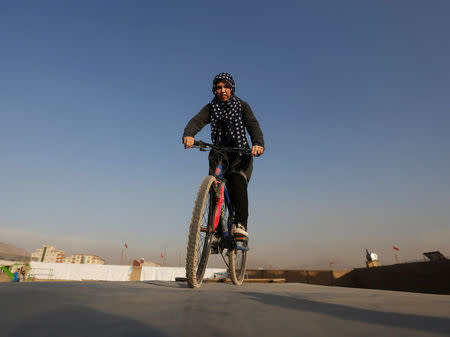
(162, 256)
(126, 246)
(394, 248)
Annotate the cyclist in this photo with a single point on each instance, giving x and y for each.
(229, 116)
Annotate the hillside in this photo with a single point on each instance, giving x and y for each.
(9, 252)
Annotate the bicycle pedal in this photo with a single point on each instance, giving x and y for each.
(243, 248)
(215, 246)
(241, 245)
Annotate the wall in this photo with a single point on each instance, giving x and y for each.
(425, 277)
(97, 272)
(321, 277)
(78, 272)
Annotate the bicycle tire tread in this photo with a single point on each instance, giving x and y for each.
(194, 229)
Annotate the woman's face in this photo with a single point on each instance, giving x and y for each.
(223, 91)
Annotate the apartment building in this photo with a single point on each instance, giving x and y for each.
(48, 254)
(84, 259)
(52, 255)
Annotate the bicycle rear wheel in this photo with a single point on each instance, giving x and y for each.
(238, 262)
(200, 233)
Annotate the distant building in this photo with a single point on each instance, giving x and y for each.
(48, 254)
(84, 259)
(52, 255)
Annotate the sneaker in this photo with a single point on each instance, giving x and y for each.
(239, 230)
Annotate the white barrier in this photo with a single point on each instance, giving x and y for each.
(169, 273)
(79, 272)
(98, 272)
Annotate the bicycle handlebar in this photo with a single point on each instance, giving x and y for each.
(202, 146)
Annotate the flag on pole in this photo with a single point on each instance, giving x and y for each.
(126, 246)
(394, 248)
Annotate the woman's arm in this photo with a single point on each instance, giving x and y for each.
(197, 122)
(252, 125)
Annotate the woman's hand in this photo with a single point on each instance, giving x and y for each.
(188, 142)
(257, 150)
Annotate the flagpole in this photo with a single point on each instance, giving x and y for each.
(394, 250)
(164, 261)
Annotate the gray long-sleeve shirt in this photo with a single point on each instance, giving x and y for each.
(202, 118)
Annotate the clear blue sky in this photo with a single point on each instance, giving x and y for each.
(352, 97)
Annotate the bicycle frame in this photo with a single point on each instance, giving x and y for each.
(213, 204)
(223, 197)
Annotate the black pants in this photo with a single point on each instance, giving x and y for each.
(237, 188)
(237, 172)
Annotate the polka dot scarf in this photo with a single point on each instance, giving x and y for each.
(227, 126)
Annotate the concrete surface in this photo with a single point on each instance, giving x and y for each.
(217, 309)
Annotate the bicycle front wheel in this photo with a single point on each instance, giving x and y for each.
(200, 233)
(237, 262)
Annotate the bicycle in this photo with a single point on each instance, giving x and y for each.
(212, 208)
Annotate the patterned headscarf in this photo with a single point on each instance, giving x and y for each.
(227, 125)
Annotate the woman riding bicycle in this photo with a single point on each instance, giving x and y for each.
(229, 116)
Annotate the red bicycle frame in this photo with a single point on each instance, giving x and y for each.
(218, 207)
